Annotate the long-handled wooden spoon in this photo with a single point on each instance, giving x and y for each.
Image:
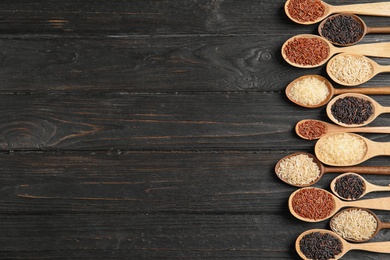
(374, 9)
(311, 129)
(338, 226)
(379, 170)
(331, 91)
(366, 186)
(381, 49)
(377, 110)
(353, 78)
(338, 28)
(326, 151)
(314, 205)
(377, 247)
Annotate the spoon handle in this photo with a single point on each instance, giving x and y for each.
(379, 148)
(385, 29)
(374, 187)
(381, 49)
(385, 225)
(383, 68)
(378, 9)
(385, 110)
(380, 170)
(369, 129)
(377, 203)
(367, 91)
(378, 247)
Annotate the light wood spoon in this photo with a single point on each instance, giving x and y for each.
(373, 149)
(367, 186)
(354, 81)
(363, 26)
(377, 203)
(377, 109)
(373, 9)
(332, 91)
(381, 49)
(380, 225)
(313, 133)
(377, 247)
(378, 170)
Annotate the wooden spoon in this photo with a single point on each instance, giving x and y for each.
(380, 225)
(374, 9)
(377, 203)
(354, 81)
(379, 170)
(331, 129)
(363, 26)
(381, 49)
(333, 91)
(377, 109)
(367, 186)
(377, 247)
(373, 149)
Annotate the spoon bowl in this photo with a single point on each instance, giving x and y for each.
(366, 186)
(306, 52)
(362, 25)
(374, 9)
(380, 170)
(331, 91)
(348, 75)
(311, 129)
(377, 110)
(308, 95)
(377, 247)
(329, 210)
(332, 149)
(335, 228)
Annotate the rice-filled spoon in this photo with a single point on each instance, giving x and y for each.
(310, 51)
(357, 224)
(313, 204)
(347, 149)
(316, 11)
(326, 244)
(302, 169)
(352, 186)
(351, 69)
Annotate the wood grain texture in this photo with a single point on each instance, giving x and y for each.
(144, 182)
(140, 18)
(147, 122)
(146, 237)
(126, 65)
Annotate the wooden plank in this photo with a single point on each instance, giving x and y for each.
(174, 64)
(139, 18)
(147, 236)
(149, 182)
(150, 64)
(168, 122)
(143, 182)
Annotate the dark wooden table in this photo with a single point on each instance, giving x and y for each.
(150, 130)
